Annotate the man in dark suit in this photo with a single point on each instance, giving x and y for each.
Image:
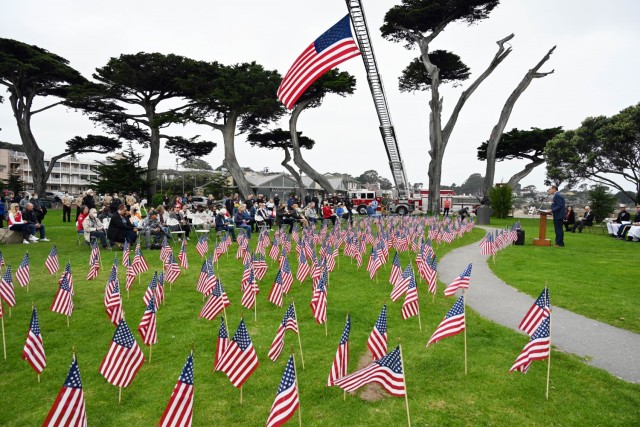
(558, 209)
(587, 220)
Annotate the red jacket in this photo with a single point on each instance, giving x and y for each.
(326, 211)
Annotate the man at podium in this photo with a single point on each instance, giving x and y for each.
(558, 209)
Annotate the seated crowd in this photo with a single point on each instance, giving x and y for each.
(623, 227)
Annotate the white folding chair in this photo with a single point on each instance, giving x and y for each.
(198, 226)
(175, 234)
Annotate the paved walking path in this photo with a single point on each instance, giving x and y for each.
(615, 350)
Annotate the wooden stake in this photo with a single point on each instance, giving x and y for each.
(4, 342)
(299, 340)
(150, 351)
(326, 332)
(241, 395)
(38, 378)
(255, 309)
(406, 395)
(296, 373)
(68, 321)
(464, 302)
(549, 358)
(119, 394)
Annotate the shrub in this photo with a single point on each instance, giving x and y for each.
(501, 200)
(602, 202)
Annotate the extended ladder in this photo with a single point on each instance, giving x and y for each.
(379, 98)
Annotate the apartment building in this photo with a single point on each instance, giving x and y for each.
(69, 174)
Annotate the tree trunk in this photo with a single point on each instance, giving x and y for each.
(439, 137)
(297, 154)
(21, 111)
(517, 177)
(230, 161)
(496, 132)
(152, 164)
(294, 173)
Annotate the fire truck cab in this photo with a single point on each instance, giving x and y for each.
(361, 199)
(419, 201)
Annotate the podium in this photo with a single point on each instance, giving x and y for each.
(542, 240)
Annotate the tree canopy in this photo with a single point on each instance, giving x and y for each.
(278, 138)
(126, 101)
(401, 22)
(226, 97)
(452, 70)
(194, 163)
(121, 174)
(603, 149)
(521, 144)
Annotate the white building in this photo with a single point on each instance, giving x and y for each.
(69, 174)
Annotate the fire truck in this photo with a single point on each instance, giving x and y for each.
(361, 197)
(420, 200)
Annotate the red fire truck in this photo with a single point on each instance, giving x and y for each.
(420, 201)
(361, 197)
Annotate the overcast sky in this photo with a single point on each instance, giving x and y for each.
(596, 71)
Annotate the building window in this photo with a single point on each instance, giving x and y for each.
(84, 167)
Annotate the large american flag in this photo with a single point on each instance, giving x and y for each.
(179, 410)
(540, 310)
(538, 347)
(51, 262)
(333, 47)
(387, 372)
(460, 282)
(240, 360)
(147, 327)
(452, 324)
(63, 301)
(7, 292)
(124, 358)
(377, 342)
(290, 323)
(68, 409)
(287, 399)
(33, 351)
(341, 361)
(410, 306)
(221, 345)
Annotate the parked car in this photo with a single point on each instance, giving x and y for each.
(199, 201)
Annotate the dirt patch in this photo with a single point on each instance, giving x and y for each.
(370, 392)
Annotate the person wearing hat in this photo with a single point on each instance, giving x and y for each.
(624, 229)
(93, 228)
(151, 228)
(88, 200)
(623, 218)
(222, 223)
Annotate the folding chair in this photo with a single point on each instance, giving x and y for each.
(199, 222)
(180, 233)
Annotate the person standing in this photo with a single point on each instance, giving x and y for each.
(67, 200)
(79, 205)
(558, 209)
(447, 206)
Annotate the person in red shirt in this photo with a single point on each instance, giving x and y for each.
(327, 213)
(16, 223)
(447, 206)
(84, 211)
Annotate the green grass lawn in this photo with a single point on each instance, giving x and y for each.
(593, 275)
(439, 392)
